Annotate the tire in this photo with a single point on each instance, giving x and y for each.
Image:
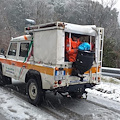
(4, 80)
(34, 92)
(1, 78)
(8, 80)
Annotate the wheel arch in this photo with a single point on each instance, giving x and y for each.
(33, 74)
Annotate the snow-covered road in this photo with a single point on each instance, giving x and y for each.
(102, 104)
(108, 88)
(14, 108)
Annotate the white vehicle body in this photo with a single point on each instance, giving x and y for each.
(43, 52)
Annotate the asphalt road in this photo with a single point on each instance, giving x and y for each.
(74, 109)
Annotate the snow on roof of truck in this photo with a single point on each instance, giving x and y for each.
(23, 37)
(68, 27)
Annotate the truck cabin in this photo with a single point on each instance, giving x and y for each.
(19, 47)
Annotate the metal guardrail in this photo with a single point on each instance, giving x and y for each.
(113, 72)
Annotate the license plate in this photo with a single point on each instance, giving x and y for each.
(78, 81)
(60, 75)
(75, 81)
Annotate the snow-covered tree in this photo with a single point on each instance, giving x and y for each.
(13, 15)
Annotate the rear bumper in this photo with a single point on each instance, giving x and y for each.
(75, 88)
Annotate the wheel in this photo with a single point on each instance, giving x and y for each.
(34, 92)
(7, 80)
(1, 77)
(4, 80)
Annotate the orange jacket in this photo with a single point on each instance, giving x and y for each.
(71, 49)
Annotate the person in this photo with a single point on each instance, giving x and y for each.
(72, 47)
(86, 44)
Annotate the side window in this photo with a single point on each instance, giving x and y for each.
(13, 49)
(24, 47)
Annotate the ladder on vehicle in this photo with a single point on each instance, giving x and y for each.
(99, 51)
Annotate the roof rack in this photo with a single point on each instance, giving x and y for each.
(43, 26)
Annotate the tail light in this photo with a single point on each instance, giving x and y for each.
(59, 82)
(55, 82)
(98, 79)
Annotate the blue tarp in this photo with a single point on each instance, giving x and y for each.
(84, 46)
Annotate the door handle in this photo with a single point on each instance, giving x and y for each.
(24, 66)
(13, 63)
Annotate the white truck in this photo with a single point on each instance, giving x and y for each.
(39, 60)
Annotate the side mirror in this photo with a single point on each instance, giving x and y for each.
(2, 51)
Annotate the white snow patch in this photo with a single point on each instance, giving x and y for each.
(108, 88)
(15, 108)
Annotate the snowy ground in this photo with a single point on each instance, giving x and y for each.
(108, 88)
(15, 108)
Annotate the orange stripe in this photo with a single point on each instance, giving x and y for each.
(25, 37)
(68, 71)
(41, 69)
(20, 64)
(5, 61)
(93, 69)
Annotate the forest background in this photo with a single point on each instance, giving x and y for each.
(84, 12)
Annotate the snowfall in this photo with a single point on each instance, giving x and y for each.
(15, 108)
